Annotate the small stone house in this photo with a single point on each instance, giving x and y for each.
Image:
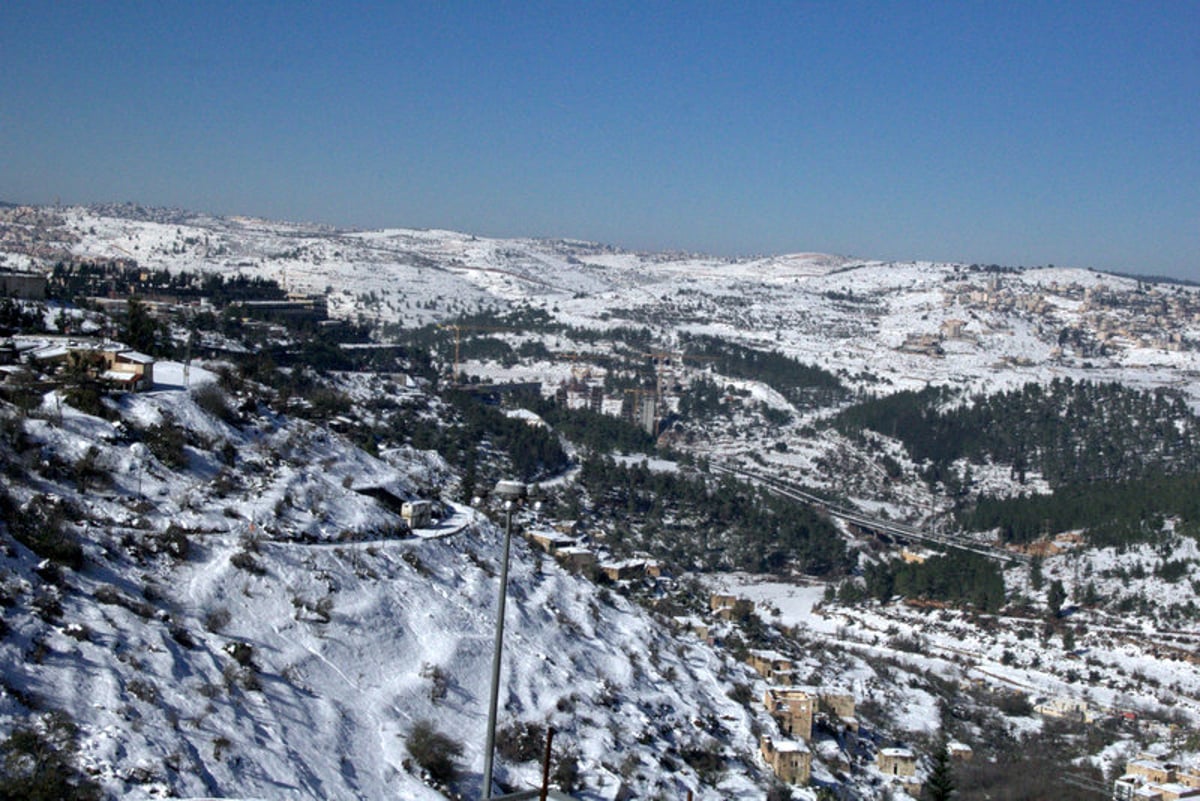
(624, 571)
(551, 541)
(959, 752)
(718, 601)
(838, 704)
(897, 762)
(576, 559)
(771, 665)
(792, 708)
(790, 760)
(418, 514)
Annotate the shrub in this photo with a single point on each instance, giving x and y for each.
(242, 653)
(217, 619)
(143, 690)
(182, 636)
(89, 473)
(36, 766)
(173, 541)
(440, 681)
(521, 741)
(566, 772)
(246, 561)
(166, 442)
(741, 693)
(436, 753)
(42, 528)
(211, 398)
(108, 594)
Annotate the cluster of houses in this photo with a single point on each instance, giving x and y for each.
(34, 232)
(1149, 778)
(1147, 318)
(561, 543)
(797, 708)
(114, 364)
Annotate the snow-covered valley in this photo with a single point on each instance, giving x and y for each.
(249, 616)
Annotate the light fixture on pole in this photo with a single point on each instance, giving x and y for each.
(511, 492)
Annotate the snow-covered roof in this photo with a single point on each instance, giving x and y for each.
(135, 356)
(774, 656)
(793, 746)
(898, 753)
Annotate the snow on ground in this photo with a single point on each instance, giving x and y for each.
(292, 649)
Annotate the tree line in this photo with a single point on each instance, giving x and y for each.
(693, 521)
(1070, 432)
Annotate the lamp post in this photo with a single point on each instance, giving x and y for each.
(511, 492)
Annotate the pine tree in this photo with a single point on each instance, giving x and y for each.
(940, 786)
(1055, 597)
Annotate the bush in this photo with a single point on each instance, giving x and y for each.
(89, 473)
(440, 681)
(211, 398)
(566, 772)
(217, 619)
(42, 528)
(173, 541)
(36, 766)
(436, 753)
(242, 653)
(521, 741)
(246, 561)
(166, 442)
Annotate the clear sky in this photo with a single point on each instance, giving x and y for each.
(1010, 132)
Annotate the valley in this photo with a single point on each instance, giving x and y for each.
(961, 496)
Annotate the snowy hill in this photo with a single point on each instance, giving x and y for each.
(202, 653)
(249, 617)
(849, 316)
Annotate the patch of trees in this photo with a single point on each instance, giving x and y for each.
(39, 763)
(957, 577)
(18, 318)
(1071, 432)
(693, 522)
(1113, 512)
(482, 442)
(805, 386)
(600, 433)
(42, 526)
(72, 280)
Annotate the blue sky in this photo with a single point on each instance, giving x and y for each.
(1006, 132)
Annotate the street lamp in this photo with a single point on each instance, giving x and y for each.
(138, 451)
(511, 492)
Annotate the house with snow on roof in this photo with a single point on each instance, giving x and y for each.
(771, 665)
(730, 607)
(838, 705)
(790, 760)
(792, 709)
(128, 368)
(576, 559)
(899, 765)
(1153, 779)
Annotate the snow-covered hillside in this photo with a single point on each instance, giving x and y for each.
(850, 316)
(250, 618)
(252, 627)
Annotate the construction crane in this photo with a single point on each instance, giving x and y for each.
(458, 329)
